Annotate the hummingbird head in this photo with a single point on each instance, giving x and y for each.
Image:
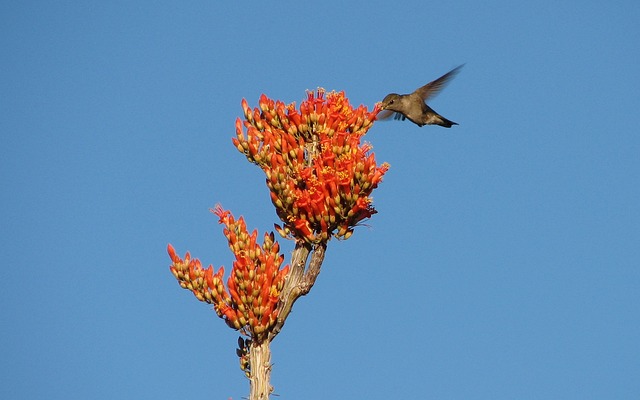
(390, 102)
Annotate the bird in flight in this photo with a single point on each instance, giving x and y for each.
(414, 106)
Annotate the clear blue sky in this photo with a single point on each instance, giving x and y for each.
(503, 263)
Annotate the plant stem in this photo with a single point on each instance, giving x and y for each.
(260, 372)
(300, 280)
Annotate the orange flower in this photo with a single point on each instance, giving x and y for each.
(249, 301)
(319, 174)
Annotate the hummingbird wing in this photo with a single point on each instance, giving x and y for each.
(432, 88)
(386, 114)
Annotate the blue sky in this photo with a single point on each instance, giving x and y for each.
(503, 263)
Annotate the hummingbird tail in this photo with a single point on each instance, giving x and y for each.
(446, 123)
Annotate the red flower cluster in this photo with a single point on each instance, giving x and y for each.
(319, 175)
(253, 287)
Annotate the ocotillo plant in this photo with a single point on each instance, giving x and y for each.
(320, 178)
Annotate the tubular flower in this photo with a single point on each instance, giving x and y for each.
(248, 303)
(319, 174)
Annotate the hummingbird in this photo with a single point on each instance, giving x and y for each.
(413, 105)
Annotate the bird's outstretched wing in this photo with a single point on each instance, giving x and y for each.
(386, 114)
(432, 88)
